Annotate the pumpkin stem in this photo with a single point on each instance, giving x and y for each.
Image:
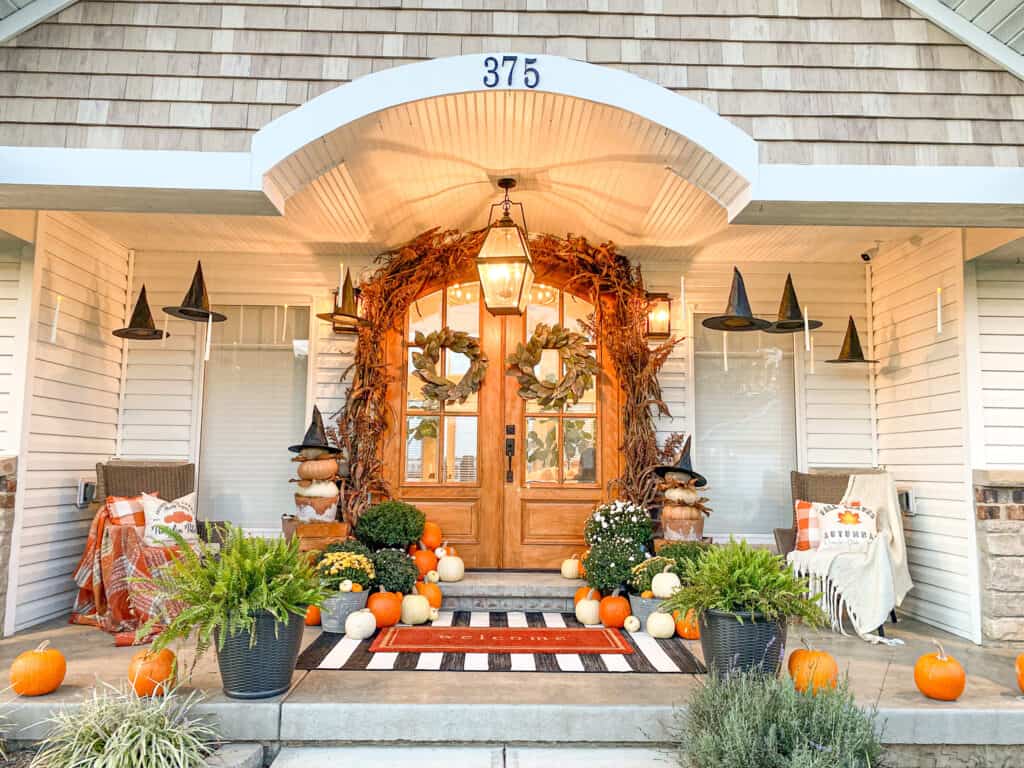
(575, 557)
(616, 592)
(42, 646)
(942, 651)
(667, 568)
(805, 644)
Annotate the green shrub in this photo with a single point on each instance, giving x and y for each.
(354, 546)
(619, 520)
(115, 728)
(755, 721)
(390, 524)
(396, 570)
(737, 578)
(609, 563)
(642, 575)
(681, 553)
(222, 593)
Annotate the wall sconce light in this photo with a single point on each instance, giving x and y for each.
(659, 316)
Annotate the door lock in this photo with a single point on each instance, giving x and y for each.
(510, 451)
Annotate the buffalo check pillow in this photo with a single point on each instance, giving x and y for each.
(809, 516)
(178, 515)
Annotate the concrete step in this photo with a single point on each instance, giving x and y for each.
(471, 757)
(510, 591)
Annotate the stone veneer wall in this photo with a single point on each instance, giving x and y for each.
(999, 503)
(8, 491)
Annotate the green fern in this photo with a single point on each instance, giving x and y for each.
(220, 594)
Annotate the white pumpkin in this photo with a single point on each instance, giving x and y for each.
(588, 611)
(660, 625)
(415, 609)
(360, 624)
(345, 586)
(665, 583)
(435, 614)
(631, 624)
(682, 496)
(451, 568)
(432, 577)
(571, 568)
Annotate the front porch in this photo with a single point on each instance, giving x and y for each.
(493, 710)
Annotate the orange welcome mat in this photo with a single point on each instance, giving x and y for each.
(499, 640)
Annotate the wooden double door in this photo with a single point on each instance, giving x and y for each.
(511, 484)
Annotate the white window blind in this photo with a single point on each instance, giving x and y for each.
(254, 407)
(745, 441)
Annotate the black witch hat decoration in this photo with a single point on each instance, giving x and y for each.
(851, 351)
(316, 436)
(196, 304)
(738, 316)
(683, 466)
(791, 317)
(345, 316)
(141, 327)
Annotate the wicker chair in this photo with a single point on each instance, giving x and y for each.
(172, 479)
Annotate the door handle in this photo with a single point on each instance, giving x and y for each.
(510, 451)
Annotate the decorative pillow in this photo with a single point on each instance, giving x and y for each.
(846, 526)
(179, 515)
(126, 510)
(808, 522)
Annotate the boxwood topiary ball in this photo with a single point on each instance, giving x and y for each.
(390, 524)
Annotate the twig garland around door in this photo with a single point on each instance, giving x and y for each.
(439, 257)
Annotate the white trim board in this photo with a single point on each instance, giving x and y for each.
(33, 13)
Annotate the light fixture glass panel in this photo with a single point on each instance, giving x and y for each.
(460, 448)
(542, 450)
(503, 266)
(421, 449)
(579, 452)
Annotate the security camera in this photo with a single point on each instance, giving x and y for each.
(865, 256)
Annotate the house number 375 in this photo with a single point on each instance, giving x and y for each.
(508, 72)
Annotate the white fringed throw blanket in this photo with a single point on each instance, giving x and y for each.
(865, 583)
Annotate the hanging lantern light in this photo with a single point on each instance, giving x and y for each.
(504, 264)
(345, 317)
(659, 316)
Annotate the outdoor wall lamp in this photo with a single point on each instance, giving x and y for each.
(659, 316)
(504, 264)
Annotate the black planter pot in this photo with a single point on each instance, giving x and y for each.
(266, 668)
(754, 644)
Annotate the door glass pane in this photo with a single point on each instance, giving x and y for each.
(460, 449)
(542, 450)
(456, 365)
(548, 369)
(415, 397)
(577, 309)
(579, 454)
(421, 449)
(543, 308)
(254, 395)
(425, 314)
(745, 441)
(463, 313)
(588, 402)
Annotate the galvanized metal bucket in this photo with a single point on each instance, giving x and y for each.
(336, 608)
(642, 607)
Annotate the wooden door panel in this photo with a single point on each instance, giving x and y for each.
(553, 521)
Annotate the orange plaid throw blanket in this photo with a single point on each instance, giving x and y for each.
(107, 598)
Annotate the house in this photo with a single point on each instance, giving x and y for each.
(871, 149)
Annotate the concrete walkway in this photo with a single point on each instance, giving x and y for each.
(483, 708)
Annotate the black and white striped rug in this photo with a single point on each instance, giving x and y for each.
(338, 652)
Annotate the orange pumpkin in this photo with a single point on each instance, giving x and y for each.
(431, 537)
(1019, 665)
(687, 627)
(583, 593)
(413, 549)
(613, 610)
(357, 587)
(386, 607)
(939, 676)
(811, 669)
(313, 616)
(153, 674)
(583, 557)
(38, 672)
(430, 591)
(445, 550)
(425, 560)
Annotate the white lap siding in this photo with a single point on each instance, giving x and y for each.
(921, 406)
(72, 407)
(161, 414)
(10, 287)
(1000, 294)
(834, 423)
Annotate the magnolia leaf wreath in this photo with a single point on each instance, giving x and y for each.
(437, 387)
(580, 367)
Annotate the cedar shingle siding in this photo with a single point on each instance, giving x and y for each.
(814, 81)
